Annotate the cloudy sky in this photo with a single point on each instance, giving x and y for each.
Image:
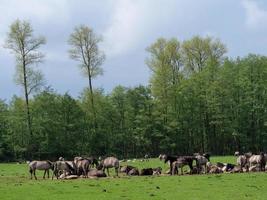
(127, 27)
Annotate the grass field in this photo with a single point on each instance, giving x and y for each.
(15, 184)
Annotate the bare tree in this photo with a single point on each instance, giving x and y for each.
(84, 48)
(25, 47)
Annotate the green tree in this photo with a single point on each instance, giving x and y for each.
(84, 49)
(24, 46)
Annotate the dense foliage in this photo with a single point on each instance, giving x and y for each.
(198, 100)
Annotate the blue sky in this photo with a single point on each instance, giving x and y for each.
(127, 27)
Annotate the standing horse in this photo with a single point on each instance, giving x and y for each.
(82, 165)
(181, 162)
(169, 159)
(110, 162)
(40, 165)
(258, 160)
(201, 161)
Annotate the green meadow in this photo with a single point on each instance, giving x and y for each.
(16, 184)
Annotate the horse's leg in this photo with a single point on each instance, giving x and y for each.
(171, 166)
(191, 167)
(174, 170)
(44, 174)
(34, 174)
(31, 172)
(48, 173)
(182, 172)
(116, 170)
(53, 174)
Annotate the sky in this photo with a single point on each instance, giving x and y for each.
(128, 27)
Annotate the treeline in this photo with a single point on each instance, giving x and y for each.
(198, 100)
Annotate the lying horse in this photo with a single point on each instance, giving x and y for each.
(146, 172)
(126, 169)
(109, 162)
(133, 172)
(96, 173)
(63, 167)
(40, 165)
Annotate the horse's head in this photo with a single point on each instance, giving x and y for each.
(52, 164)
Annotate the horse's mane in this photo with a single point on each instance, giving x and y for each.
(50, 163)
(70, 167)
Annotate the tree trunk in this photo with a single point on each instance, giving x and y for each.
(27, 102)
(92, 98)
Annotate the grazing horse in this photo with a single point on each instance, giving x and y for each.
(63, 167)
(40, 165)
(110, 162)
(258, 160)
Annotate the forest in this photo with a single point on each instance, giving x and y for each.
(197, 100)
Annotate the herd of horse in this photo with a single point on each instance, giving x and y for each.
(88, 167)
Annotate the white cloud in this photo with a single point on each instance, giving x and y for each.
(122, 32)
(256, 17)
(133, 21)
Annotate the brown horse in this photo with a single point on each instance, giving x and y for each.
(110, 162)
(82, 165)
(40, 165)
(258, 160)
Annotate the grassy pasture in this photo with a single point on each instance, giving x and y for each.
(15, 184)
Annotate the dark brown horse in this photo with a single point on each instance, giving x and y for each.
(183, 160)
